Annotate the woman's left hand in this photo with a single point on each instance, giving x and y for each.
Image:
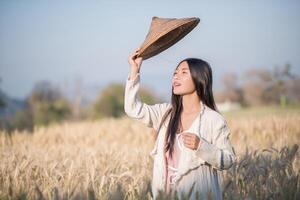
(190, 140)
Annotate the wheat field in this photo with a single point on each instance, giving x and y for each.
(109, 159)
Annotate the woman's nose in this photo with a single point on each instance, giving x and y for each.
(176, 76)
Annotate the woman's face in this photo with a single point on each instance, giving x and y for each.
(182, 80)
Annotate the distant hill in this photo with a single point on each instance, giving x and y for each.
(9, 105)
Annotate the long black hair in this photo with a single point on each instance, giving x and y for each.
(202, 78)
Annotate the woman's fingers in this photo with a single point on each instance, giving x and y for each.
(139, 60)
(133, 55)
(190, 140)
(188, 135)
(134, 60)
(135, 52)
(137, 49)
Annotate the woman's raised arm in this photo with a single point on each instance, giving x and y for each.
(150, 115)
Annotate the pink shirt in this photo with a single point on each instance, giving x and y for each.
(172, 163)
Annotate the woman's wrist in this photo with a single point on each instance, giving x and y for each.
(133, 75)
(134, 71)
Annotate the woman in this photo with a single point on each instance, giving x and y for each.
(192, 146)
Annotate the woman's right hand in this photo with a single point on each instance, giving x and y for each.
(134, 61)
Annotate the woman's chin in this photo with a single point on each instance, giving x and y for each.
(177, 92)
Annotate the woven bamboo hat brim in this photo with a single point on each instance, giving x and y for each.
(165, 32)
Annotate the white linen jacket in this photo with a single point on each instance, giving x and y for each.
(214, 149)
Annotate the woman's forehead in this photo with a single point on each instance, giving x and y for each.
(182, 66)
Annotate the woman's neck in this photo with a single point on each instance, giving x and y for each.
(190, 103)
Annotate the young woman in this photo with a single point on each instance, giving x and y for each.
(192, 146)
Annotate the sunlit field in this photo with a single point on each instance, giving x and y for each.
(109, 159)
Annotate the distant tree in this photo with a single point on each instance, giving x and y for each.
(22, 119)
(263, 86)
(2, 103)
(231, 91)
(77, 110)
(293, 89)
(278, 93)
(256, 82)
(47, 104)
(110, 102)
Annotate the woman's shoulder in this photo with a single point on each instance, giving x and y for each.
(213, 115)
(163, 107)
(166, 107)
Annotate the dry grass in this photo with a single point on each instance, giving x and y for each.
(109, 159)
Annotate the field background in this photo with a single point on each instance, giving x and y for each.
(109, 159)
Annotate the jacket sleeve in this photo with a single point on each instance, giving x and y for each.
(220, 154)
(150, 115)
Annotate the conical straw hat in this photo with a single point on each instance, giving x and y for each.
(165, 32)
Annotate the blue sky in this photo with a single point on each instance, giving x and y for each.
(67, 41)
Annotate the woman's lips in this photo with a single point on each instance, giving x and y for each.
(176, 84)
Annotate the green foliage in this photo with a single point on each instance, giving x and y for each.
(22, 120)
(47, 104)
(2, 103)
(110, 102)
(45, 112)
